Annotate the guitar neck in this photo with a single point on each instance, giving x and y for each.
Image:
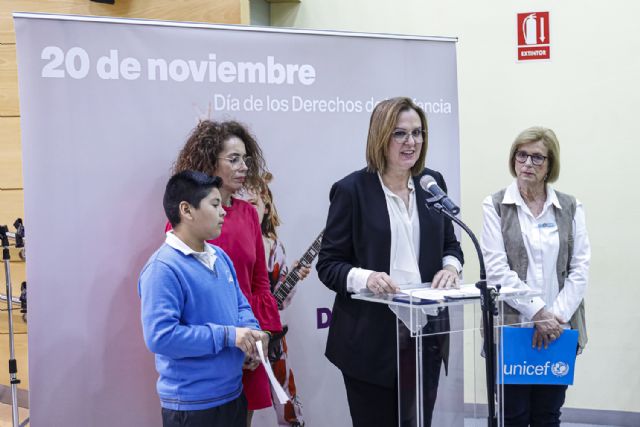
(293, 277)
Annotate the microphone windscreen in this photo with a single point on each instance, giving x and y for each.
(426, 181)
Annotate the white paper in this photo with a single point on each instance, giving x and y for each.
(465, 291)
(282, 395)
(426, 293)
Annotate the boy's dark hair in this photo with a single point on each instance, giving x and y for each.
(187, 186)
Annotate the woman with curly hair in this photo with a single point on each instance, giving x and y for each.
(228, 150)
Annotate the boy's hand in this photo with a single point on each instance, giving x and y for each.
(250, 363)
(266, 337)
(246, 341)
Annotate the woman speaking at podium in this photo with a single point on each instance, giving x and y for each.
(380, 235)
(534, 237)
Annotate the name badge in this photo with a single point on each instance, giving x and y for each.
(547, 225)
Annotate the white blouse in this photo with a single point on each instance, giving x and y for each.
(541, 240)
(405, 244)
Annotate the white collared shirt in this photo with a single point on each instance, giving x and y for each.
(541, 240)
(405, 244)
(207, 258)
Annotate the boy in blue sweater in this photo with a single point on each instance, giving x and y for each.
(194, 316)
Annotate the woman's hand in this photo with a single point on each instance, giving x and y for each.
(303, 270)
(446, 278)
(547, 329)
(380, 283)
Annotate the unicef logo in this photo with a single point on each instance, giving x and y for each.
(560, 369)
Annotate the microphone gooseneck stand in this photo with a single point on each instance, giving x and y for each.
(13, 364)
(488, 304)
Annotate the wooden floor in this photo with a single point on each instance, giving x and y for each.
(6, 416)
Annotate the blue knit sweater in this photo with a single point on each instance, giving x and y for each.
(189, 316)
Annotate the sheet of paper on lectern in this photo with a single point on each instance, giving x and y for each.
(465, 291)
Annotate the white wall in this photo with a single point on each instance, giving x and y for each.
(588, 93)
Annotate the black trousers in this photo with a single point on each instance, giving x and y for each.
(376, 405)
(231, 414)
(533, 405)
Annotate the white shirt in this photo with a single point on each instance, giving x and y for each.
(541, 240)
(405, 244)
(207, 258)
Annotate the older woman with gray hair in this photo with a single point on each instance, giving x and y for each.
(535, 237)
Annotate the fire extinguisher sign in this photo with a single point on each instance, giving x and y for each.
(533, 36)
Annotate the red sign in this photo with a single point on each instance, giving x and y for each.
(533, 36)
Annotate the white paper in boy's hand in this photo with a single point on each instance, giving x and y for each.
(282, 396)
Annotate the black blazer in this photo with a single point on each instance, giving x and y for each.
(362, 335)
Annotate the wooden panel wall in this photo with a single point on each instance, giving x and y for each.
(218, 11)
(11, 187)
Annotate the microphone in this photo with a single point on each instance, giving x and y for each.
(430, 185)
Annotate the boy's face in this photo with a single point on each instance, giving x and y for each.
(209, 216)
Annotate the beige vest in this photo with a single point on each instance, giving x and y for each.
(517, 253)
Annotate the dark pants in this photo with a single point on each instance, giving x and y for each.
(371, 404)
(231, 414)
(375, 405)
(533, 405)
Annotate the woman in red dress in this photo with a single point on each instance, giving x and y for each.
(228, 150)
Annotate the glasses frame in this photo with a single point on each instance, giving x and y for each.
(405, 139)
(236, 161)
(530, 156)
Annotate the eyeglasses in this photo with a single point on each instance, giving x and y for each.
(401, 136)
(237, 160)
(536, 159)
